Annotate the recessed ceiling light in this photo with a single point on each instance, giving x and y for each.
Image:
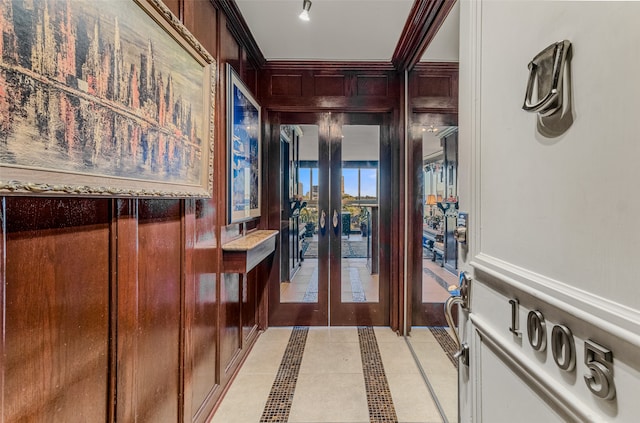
(306, 6)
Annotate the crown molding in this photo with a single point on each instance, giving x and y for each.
(424, 21)
(326, 66)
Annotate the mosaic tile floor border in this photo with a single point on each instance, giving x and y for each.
(280, 398)
(379, 400)
(446, 342)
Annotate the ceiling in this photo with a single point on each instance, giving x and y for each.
(340, 30)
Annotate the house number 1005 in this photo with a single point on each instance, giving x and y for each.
(598, 359)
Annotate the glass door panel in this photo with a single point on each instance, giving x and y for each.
(357, 295)
(302, 200)
(359, 191)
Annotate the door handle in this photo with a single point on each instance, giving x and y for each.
(323, 218)
(463, 348)
(335, 219)
(461, 297)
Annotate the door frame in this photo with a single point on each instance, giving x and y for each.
(317, 314)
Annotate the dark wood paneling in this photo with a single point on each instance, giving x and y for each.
(125, 260)
(200, 17)
(201, 232)
(249, 304)
(329, 85)
(249, 74)
(159, 292)
(303, 86)
(230, 52)
(372, 86)
(416, 215)
(230, 341)
(241, 31)
(174, 6)
(434, 86)
(391, 240)
(202, 295)
(56, 316)
(290, 85)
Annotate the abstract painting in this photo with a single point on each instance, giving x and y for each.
(100, 98)
(243, 150)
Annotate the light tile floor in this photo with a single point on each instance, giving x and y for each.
(357, 283)
(330, 385)
(442, 375)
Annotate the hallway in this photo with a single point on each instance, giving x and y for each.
(340, 374)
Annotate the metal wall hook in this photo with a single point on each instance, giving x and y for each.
(546, 72)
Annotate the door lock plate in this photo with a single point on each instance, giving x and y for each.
(460, 232)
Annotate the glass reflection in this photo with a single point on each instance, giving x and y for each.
(430, 337)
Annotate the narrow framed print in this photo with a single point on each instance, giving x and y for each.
(243, 151)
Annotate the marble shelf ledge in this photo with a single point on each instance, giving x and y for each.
(244, 253)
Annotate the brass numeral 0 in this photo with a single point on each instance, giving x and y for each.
(563, 347)
(537, 330)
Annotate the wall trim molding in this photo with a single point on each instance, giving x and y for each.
(616, 319)
(448, 67)
(337, 66)
(552, 392)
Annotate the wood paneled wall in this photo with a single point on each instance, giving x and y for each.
(321, 86)
(114, 309)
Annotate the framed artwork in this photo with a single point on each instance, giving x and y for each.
(243, 151)
(103, 98)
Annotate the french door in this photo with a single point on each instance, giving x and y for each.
(334, 192)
